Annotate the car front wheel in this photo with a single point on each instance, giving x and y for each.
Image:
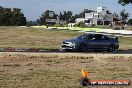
(83, 48)
(111, 48)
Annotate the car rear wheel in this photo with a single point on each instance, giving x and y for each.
(111, 48)
(83, 48)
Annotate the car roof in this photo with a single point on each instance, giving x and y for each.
(93, 34)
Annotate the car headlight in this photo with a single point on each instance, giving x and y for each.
(71, 43)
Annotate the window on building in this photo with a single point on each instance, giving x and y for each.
(99, 22)
(96, 16)
(107, 22)
(87, 21)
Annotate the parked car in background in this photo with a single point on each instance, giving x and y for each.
(90, 41)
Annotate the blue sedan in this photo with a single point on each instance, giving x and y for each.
(87, 42)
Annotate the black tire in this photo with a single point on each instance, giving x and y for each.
(65, 50)
(83, 48)
(61, 50)
(111, 48)
(85, 81)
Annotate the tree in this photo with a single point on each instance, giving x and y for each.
(5, 16)
(115, 15)
(10, 17)
(80, 24)
(82, 14)
(17, 18)
(124, 2)
(61, 16)
(76, 16)
(108, 12)
(32, 23)
(69, 16)
(47, 15)
(124, 16)
(130, 21)
(66, 16)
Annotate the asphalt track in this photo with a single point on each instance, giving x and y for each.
(94, 52)
(128, 51)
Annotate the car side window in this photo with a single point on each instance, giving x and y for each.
(105, 37)
(90, 37)
(85, 37)
(97, 37)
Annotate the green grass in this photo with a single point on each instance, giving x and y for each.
(28, 37)
(125, 43)
(129, 28)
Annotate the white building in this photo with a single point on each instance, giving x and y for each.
(71, 24)
(101, 9)
(81, 20)
(99, 17)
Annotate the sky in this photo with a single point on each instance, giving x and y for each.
(33, 9)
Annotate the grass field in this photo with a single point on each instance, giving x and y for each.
(129, 28)
(61, 70)
(28, 37)
(56, 70)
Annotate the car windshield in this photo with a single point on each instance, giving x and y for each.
(84, 36)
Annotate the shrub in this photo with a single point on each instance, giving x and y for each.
(130, 21)
(80, 24)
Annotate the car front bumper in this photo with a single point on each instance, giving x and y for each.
(67, 47)
(116, 46)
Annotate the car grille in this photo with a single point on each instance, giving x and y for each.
(65, 46)
(65, 42)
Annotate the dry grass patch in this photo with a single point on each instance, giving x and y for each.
(58, 70)
(28, 37)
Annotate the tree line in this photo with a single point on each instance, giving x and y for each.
(65, 16)
(69, 17)
(124, 2)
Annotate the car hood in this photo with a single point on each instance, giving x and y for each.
(75, 40)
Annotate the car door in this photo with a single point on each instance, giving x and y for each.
(95, 42)
(104, 42)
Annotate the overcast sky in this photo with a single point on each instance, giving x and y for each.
(34, 8)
